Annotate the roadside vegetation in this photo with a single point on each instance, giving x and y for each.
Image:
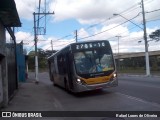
(42, 60)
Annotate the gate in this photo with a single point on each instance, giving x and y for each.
(12, 72)
(1, 89)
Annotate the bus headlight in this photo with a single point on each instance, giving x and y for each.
(114, 75)
(79, 80)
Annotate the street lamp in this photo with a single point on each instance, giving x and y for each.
(118, 52)
(128, 20)
(145, 38)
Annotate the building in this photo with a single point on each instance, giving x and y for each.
(8, 68)
(136, 61)
(21, 62)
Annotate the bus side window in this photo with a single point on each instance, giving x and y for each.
(64, 64)
(54, 67)
(61, 64)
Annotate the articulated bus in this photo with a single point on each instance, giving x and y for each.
(84, 66)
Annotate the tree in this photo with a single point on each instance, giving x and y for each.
(42, 58)
(155, 35)
(31, 60)
(49, 52)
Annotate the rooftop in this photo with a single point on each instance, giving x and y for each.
(8, 14)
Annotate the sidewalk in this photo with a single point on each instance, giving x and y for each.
(32, 97)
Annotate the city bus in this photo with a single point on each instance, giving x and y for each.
(83, 66)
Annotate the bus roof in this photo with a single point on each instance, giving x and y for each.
(74, 44)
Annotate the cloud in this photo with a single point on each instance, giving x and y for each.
(128, 41)
(25, 36)
(92, 11)
(43, 42)
(56, 44)
(86, 11)
(25, 8)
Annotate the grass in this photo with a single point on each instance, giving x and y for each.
(137, 71)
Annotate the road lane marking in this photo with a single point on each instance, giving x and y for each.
(144, 85)
(139, 99)
(57, 104)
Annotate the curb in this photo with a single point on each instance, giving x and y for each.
(130, 75)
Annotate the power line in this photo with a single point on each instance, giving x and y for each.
(93, 25)
(57, 39)
(152, 20)
(36, 33)
(147, 1)
(103, 31)
(103, 21)
(61, 44)
(133, 8)
(121, 33)
(108, 29)
(31, 48)
(153, 11)
(65, 43)
(128, 10)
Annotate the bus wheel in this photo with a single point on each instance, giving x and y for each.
(54, 84)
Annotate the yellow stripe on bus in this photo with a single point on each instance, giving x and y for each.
(97, 80)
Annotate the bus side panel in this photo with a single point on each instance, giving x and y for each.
(69, 70)
(60, 65)
(56, 74)
(49, 69)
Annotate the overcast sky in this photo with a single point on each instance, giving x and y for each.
(93, 19)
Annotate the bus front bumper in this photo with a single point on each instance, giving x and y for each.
(82, 87)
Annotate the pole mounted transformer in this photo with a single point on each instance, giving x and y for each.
(37, 32)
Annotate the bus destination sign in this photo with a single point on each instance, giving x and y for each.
(90, 45)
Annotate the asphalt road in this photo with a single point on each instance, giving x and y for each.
(140, 87)
(134, 93)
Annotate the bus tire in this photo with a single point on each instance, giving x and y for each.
(54, 84)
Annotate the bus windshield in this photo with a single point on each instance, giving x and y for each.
(93, 61)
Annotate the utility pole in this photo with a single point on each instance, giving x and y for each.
(52, 45)
(36, 55)
(146, 42)
(118, 54)
(36, 33)
(145, 38)
(76, 36)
